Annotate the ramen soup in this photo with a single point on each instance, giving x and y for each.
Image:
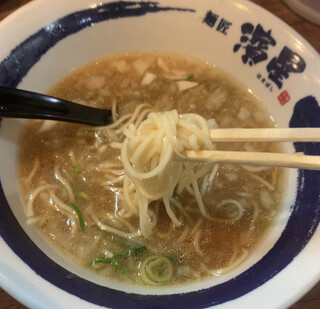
(77, 193)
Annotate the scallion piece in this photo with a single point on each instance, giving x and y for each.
(139, 250)
(190, 77)
(174, 259)
(156, 270)
(115, 264)
(160, 271)
(84, 195)
(102, 260)
(135, 251)
(76, 169)
(81, 221)
(119, 255)
(109, 261)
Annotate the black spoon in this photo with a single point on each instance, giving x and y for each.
(15, 103)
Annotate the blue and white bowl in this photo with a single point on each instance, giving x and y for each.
(46, 39)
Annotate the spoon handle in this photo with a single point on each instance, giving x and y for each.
(15, 103)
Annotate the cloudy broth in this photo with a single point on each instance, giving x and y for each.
(71, 176)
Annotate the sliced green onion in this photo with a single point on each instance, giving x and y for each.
(119, 255)
(160, 271)
(101, 260)
(115, 264)
(190, 77)
(81, 221)
(174, 259)
(156, 270)
(84, 195)
(76, 169)
(109, 261)
(139, 250)
(116, 256)
(135, 251)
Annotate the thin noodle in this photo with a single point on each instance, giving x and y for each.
(255, 168)
(212, 176)
(181, 209)
(184, 234)
(73, 158)
(33, 171)
(170, 213)
(196, 244)
(110, 229)
(197, 225)
(114, 110)
(67, 186)
(236, 263)
(265, 183)
(32, 197)
(33, 220)
(60, 204)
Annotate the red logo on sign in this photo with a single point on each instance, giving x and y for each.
(284, 97)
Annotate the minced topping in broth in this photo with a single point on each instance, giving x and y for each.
(65, 188)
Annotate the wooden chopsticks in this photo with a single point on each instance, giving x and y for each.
(266, 135)
(297, 160)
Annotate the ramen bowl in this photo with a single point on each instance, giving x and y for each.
(268, 58)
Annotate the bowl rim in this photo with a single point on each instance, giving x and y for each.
(31, 4)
